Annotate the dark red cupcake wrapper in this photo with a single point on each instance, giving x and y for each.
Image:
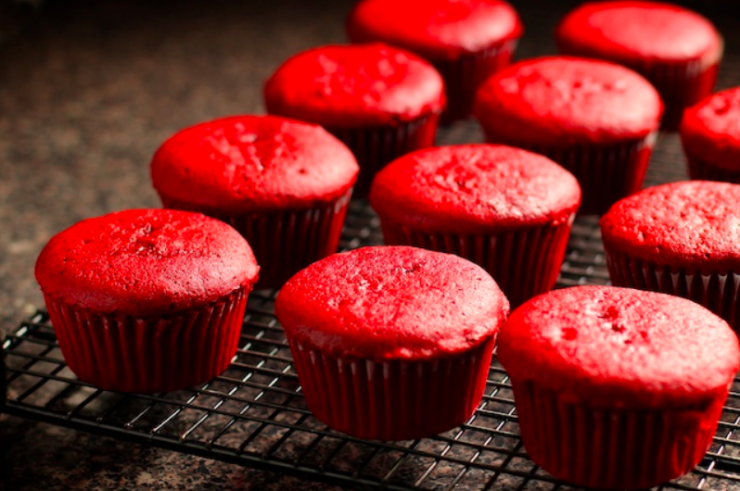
(464, 75)
(524, 263)
(284, 242)
(606, 173)
(612, 448)
(376, 147)
(716, 291)
(680, 86)
(394, 399)
(158, 354)
(704, 171)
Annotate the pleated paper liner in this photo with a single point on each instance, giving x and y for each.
(612, 448)
(394, 399)
(703, 171)
(464, 75)
(680, 85)
(284, 242)
(524, 263)
(157, 354)
(716, 291)
(376, 147)
(606, 173)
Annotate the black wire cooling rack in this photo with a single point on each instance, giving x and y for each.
(255, 414)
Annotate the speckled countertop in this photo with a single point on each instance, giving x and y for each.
(88, 90)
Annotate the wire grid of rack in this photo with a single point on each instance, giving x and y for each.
(255, 414)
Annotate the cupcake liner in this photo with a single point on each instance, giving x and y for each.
(612, 448)
(703, 171)
(157, 354)
(284, 242)
(464, 75)
(392, 399)
(716, 291)
(376, 147)
(606, 173)
(524, 263)
(680, 86)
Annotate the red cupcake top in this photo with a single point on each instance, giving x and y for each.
(638, 31)
(253, 163)
(608, 346)
(474, 189)
(559, 101)
(145, 263)
(710, 130)
(693, 225)
(358, 85)
(435, 29)
(392, 303)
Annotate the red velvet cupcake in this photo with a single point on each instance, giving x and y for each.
(467, 41)
(392, 343)
(682, 239)
(381, 101)
(617, 388)
(676, 49)
(283, 184)
(508, 210)
(147, 300)
(596, 119)
(710, 133)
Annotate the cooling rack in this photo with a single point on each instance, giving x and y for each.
(255, 414)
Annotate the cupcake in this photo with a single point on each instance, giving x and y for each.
(676, 49)
(147, 300)
(682, 239)
(466, 41)
(381, 101)
(616, 388)
(508, 210)
(392, 343)
(284, 185)
(710, 133)
(596, 119)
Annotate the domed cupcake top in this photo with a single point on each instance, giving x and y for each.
(145, 263)
(357, 85)
(607, 346)
(634, 31)
(693, 224)
(253, 163)
(710, 130)
(392, 303)
(474, 189)
(436, 29)
(558, 101)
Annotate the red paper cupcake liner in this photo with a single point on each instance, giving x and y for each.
(612, 448)
(716, 291)
(704, 171)
(158, 354)
(524, 263)
(606, 173)
(680, 86)
(395, 399)
(376, 147)
(284, 242)
(464, 75)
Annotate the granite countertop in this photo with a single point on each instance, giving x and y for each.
(88, 90)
